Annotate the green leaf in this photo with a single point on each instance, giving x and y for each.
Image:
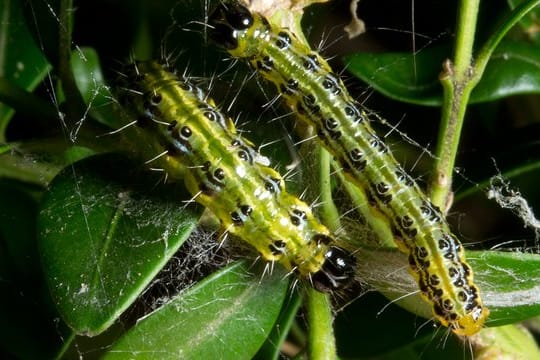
(103, 238)
(508, 282)
(530, 23)
(39, 161)
(227, 316)
(514, 68)
(21, 61)
(91, 84)
(45, 27)
(406, 77)
(508, 342)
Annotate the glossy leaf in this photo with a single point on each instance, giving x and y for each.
(91, 84)
(103, 238)
(511, 285)
(227, 316)
(21, 61)
(514, 68)
(402, 76)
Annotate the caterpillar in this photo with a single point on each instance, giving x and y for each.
(320, 99)
(228, 176)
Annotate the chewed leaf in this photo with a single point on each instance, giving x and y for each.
(227, 316)
(514, 68)
(103, 238)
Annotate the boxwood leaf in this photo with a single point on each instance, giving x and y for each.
(514, 68)
(103, 237)
(227, 316)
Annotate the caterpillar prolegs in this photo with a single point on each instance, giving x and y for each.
(319, 98)
(227, 175)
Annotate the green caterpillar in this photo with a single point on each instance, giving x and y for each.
(227, 175)
(319, 98)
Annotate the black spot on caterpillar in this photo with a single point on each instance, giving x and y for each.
(320, 99)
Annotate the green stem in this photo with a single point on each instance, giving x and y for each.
(456, 92)
(493, 41)
(378, 223)
(287, 329)
(322, 344)
(28, 170)
(329, 212)
(466, 29)
(458, 80)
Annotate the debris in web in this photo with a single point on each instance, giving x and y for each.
(507, 198)
(356, 26)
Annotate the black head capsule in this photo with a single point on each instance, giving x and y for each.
(225, 21)
(337, 271)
